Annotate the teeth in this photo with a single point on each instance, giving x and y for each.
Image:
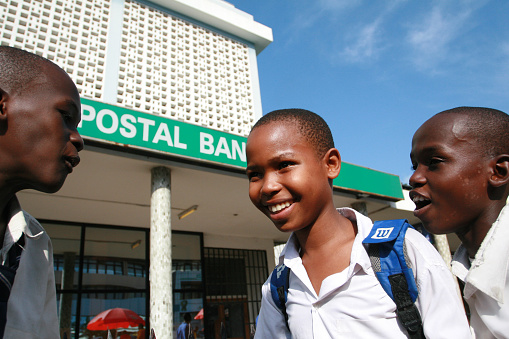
(278, 207)
(419, 198)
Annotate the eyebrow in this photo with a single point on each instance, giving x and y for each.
(69, 103)
(276, 158)
(249, 168)
(426, 150)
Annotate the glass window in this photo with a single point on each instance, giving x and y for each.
(101, 268)
(187, 282)
(113, 275)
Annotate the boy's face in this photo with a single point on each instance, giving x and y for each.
(450, 178)
(41, 140)
(288, 181)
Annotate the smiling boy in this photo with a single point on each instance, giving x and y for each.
(333, 291)
(39, 144)
(460, 185)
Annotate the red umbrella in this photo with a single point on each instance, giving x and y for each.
(115, 318)
(199, 315)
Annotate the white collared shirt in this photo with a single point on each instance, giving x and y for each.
(353, 304)
(487, 280)
(32, 304)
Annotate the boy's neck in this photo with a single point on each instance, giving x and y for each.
(332, 229)
(326, 246)
(473, 236)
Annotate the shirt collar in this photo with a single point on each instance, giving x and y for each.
(488, 271)
(359, 255)
(290, 253)
(19, 222)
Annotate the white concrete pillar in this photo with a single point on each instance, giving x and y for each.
(442, 246)
(161, 299)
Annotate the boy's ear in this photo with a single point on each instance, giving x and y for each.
(500, 171)
(333, 163)
(3, 111)
(3, 99)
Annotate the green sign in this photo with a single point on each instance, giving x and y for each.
(119, 125)
(153, 132)
(366, 180)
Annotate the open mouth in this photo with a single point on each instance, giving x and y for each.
(420, 201)
(279, 207)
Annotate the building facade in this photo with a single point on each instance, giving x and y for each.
(156, 218)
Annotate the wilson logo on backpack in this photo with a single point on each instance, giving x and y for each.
(382, 233)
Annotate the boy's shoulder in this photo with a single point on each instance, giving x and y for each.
(421, 251)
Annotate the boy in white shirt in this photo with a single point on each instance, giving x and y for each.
(460, 185)
(333, 291)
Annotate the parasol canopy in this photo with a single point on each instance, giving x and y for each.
(115, 318)
(199, 315)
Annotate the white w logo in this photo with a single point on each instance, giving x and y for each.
(382, 233)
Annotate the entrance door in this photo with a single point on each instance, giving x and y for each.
(228, 319)
(233, 283)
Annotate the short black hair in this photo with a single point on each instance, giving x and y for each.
(19, 68)
(488, 126)
(310, 125)
(187, 317)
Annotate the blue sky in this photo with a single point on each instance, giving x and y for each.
(376, 70)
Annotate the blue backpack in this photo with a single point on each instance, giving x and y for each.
(388, 259)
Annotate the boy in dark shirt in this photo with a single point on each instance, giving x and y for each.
(39, 143)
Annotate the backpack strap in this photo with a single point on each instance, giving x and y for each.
(387, 253)
(279, 283)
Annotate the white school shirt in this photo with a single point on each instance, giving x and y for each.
(32, 304)
(353, 304)
(487, 281)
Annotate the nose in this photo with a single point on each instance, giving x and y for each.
(77, 140)
(417, 179)
(271, 184)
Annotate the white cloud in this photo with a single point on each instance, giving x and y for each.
(432, 39)
(310, 13)
(365, 41)
(335, 5)
(365, 44)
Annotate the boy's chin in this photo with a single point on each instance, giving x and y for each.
(434, 228)
(50, 186)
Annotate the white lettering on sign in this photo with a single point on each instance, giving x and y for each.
(146, 126)
(222, 148)
(162, 134)
(382, 233)
(237, 150)
(206, 143)
(87, 114)
(207, 146)
(176, 133)
(128, 130)
(100, 122)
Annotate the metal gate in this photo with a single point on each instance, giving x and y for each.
(233, 280)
